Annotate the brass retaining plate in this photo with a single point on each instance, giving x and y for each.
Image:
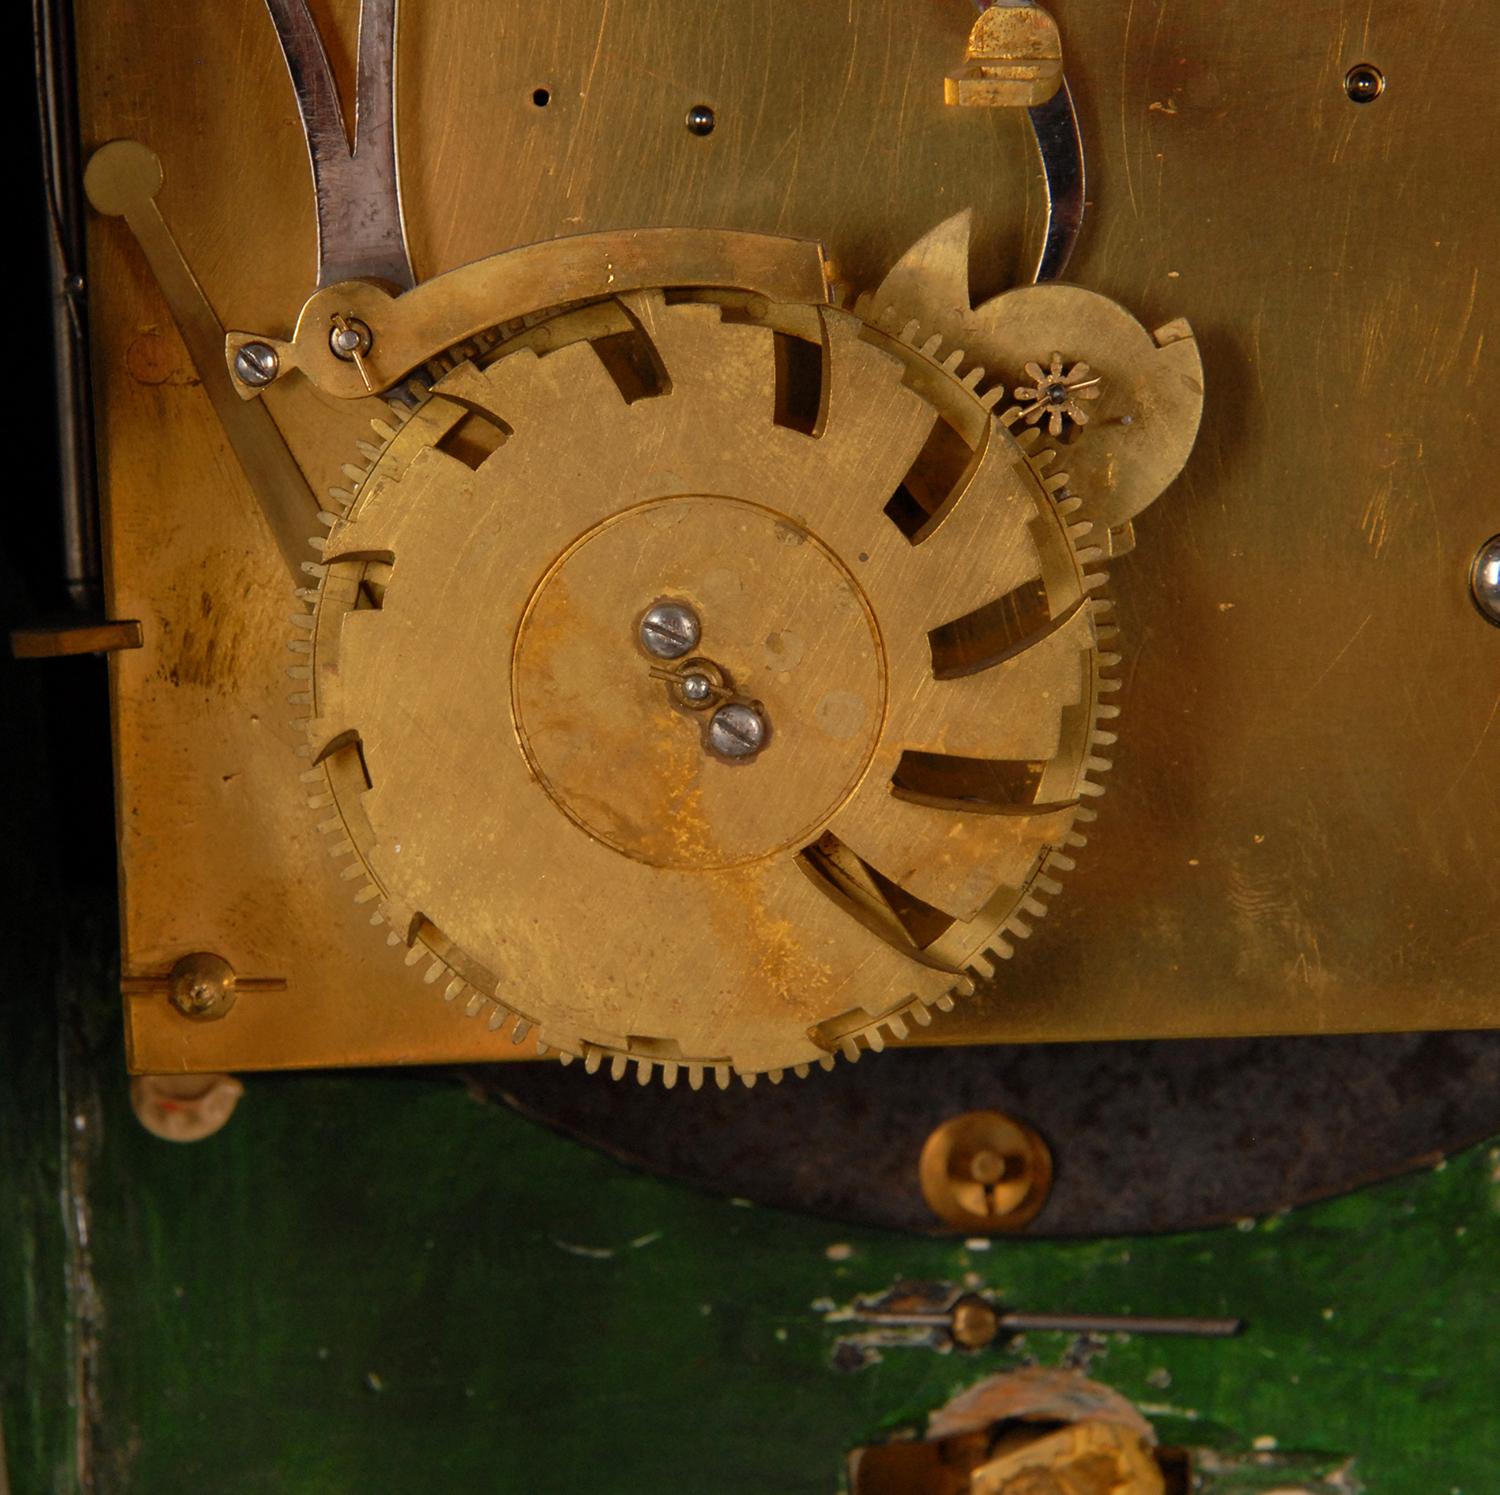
(1301, 823)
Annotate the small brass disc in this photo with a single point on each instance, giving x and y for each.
(881, 757)
(985, 1172)
(611, 745)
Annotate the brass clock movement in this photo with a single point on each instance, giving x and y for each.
(653, 530)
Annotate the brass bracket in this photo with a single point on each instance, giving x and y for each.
(1014, 59)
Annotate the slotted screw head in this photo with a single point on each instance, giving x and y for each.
(737, 731)
(669, 630)
(257, 365)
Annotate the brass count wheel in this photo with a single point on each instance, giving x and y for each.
(709, 683)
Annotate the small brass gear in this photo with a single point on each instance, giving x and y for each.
(898, 578)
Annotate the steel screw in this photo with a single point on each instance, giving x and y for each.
(669, 630)
(1484, 579)
(697, 688)
(257, 365)
(700, 120)
(737, 730)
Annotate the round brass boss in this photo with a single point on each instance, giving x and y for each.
(985, 1172)
(616, 751)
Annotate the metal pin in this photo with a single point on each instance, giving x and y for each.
(974, 1322)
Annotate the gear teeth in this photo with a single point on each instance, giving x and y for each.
(892, 1027)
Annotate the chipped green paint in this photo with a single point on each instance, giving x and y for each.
(377, 1283)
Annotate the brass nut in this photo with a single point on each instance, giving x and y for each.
(985, 1172)
(974, 1324)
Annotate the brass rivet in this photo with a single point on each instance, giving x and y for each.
(985, 1172)
(1364, 83)
(202, 986)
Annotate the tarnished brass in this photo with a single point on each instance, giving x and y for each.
(1031, 1431)
(975, 1323)
(202, 986)
(1014, 59)
(406, 331)
(985, 1172)
(122, 180)
(1145, 390)
(487, 733)
(74, 638)
(1298, 834)
(1086, 1458)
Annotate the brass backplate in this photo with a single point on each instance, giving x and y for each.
(1300, 829)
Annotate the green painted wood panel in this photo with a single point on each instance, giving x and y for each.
(376, 1282)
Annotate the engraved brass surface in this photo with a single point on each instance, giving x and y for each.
(1301, 820)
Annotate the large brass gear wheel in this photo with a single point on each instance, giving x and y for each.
(884, 571)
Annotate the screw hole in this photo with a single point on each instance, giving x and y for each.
(541, 97)
(1364, 83)
(700, 120)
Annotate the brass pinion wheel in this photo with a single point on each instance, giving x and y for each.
(709, 683)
